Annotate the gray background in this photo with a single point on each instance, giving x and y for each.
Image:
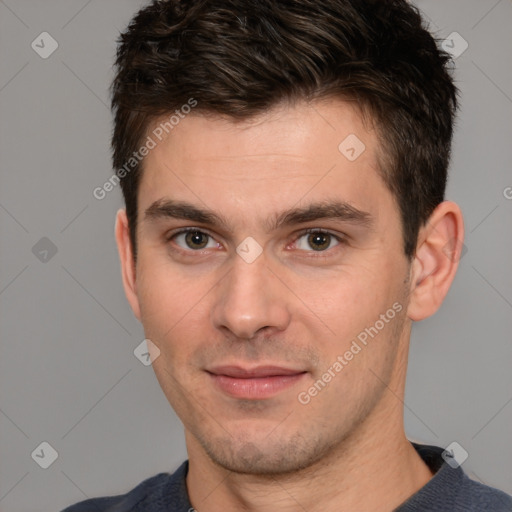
(68, 375)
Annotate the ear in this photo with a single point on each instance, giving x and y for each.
(126, 257)
(438, 251)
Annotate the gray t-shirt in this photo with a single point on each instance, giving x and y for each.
(449, 490)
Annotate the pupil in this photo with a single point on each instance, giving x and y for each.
(321, 241)
(194, 239)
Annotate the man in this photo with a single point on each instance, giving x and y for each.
(283, 166)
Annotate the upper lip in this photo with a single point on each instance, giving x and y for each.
(259, 371)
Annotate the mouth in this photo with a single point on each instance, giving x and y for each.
(254, 383)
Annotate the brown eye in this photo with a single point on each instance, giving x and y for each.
(192, 239)
(196, 239)
(318, 241)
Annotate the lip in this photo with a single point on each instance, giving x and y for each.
(256, 372)
(254, 383)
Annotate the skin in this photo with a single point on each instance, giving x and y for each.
(293, 306)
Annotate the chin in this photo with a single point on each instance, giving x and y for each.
(264, 456)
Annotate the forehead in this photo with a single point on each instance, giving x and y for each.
(290, 154)
(302, 129)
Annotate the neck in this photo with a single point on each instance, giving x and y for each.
(374, 469)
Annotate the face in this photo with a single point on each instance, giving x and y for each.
(271, 278)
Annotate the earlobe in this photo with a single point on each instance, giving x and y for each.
(126, 259)
(435, 264)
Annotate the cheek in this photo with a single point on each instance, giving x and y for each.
(172, 307)
(346, 299)
(350, 305)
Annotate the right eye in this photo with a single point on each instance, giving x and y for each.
(192, 239)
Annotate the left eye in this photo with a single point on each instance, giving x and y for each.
(317, 240)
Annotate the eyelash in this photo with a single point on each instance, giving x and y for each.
(317, 254)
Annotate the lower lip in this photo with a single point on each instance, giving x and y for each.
(256, 388)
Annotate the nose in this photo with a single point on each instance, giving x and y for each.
(249, 299)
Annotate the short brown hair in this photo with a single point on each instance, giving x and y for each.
(241, 58)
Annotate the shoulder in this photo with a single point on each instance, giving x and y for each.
(155, 494)
(450, 488)
(477, 496)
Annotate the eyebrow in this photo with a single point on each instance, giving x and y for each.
(328, 209)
